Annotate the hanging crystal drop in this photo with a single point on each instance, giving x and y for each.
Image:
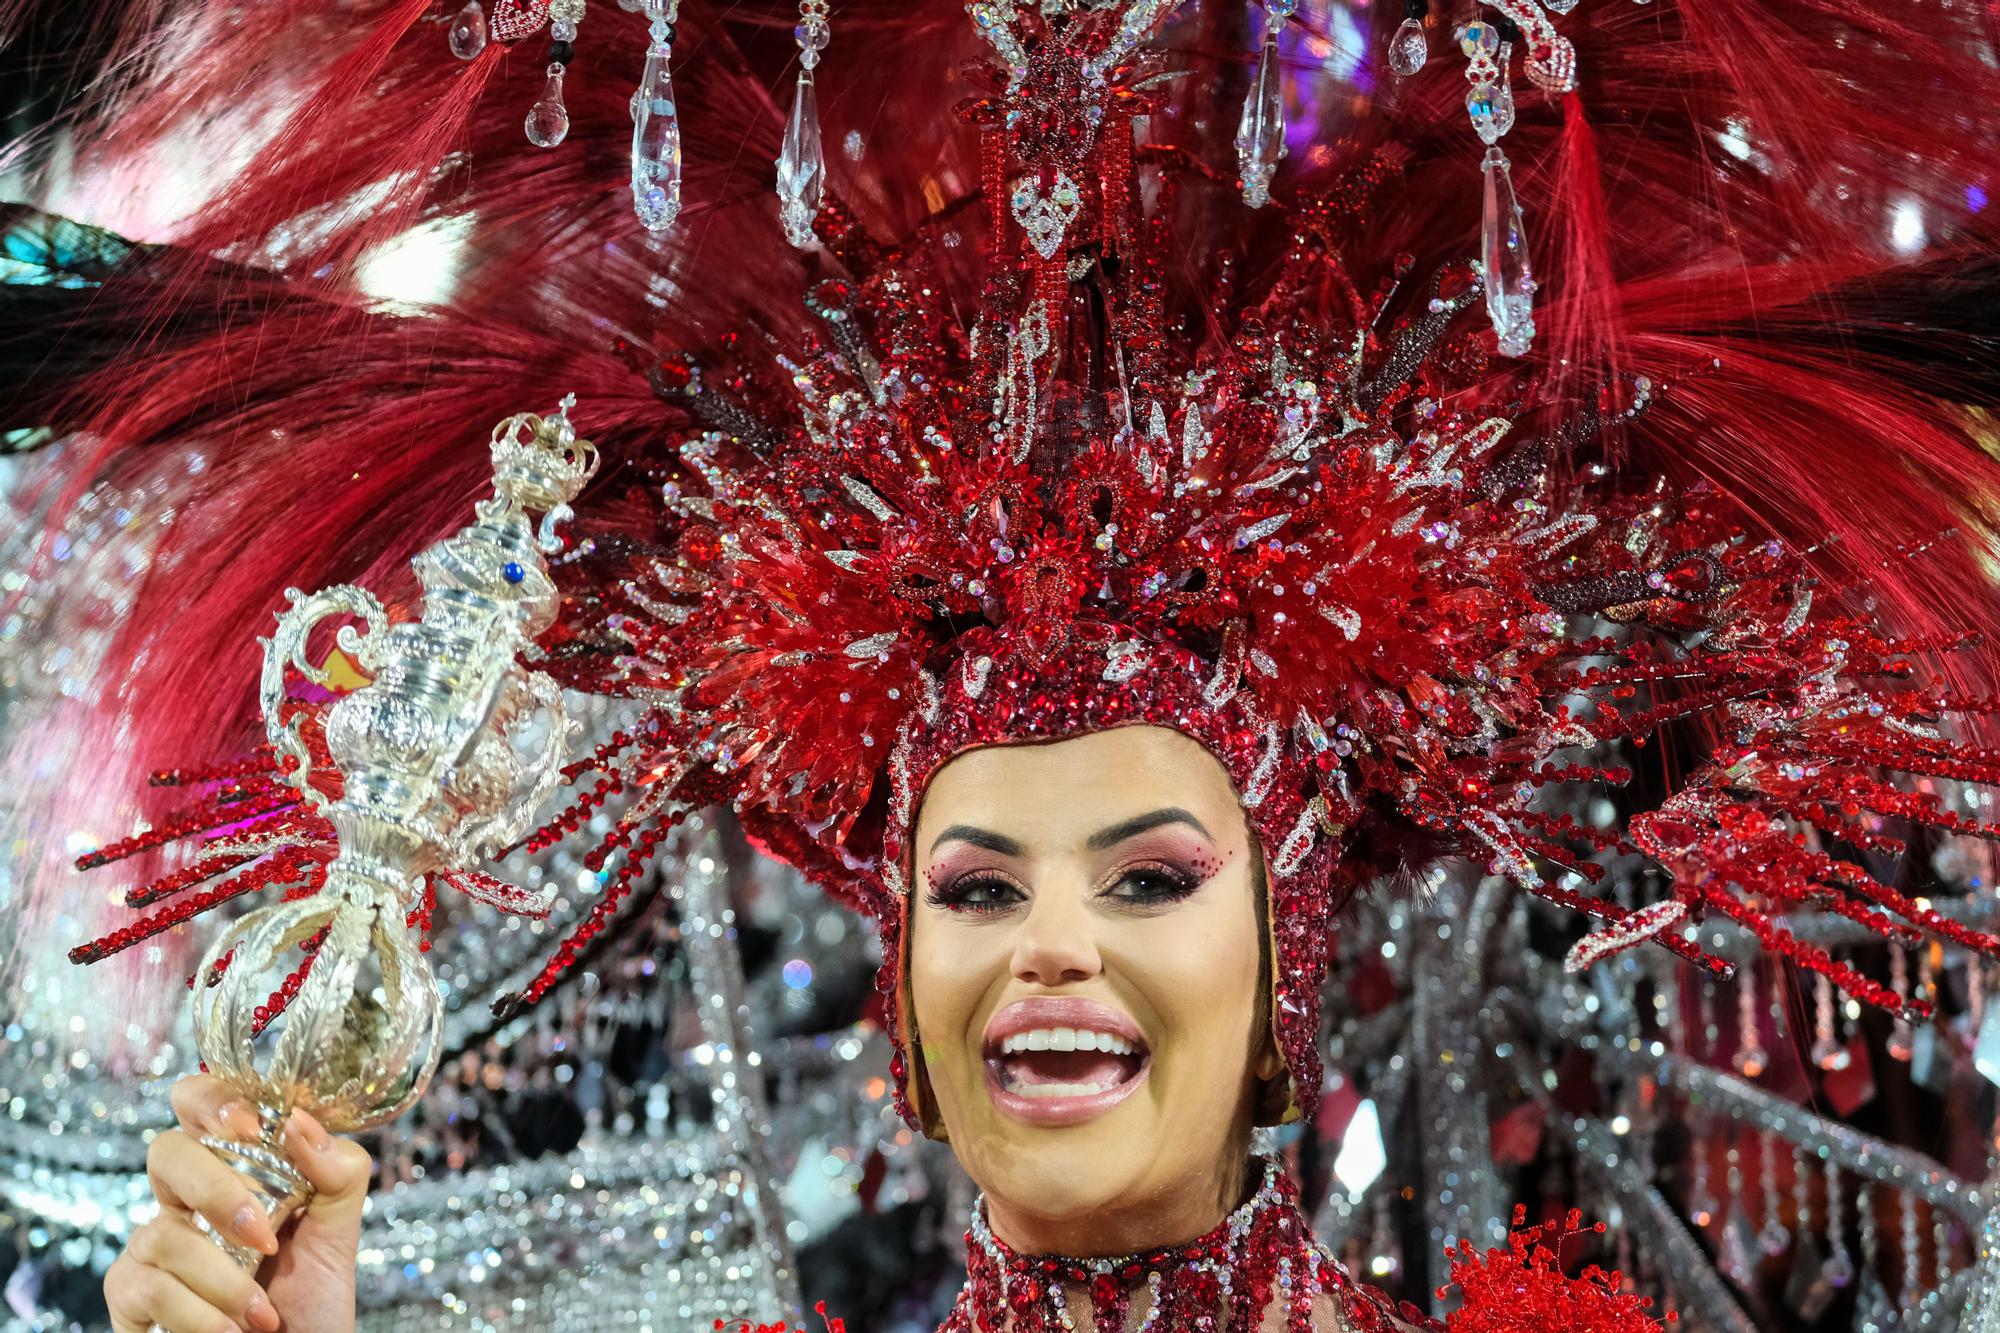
(1491, 108)
(1260, 135)
(1510, 285)
(801, 167)
(656, 140)
(1830, 1055)
(548, 119)
(1409, 48)
(467, 35)
(1732, 1255)
(1559, 6)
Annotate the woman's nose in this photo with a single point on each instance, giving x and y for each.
(1056, 944)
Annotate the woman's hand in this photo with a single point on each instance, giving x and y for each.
(172, 1275)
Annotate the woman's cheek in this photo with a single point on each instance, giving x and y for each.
(1200, 973)
(945, 984)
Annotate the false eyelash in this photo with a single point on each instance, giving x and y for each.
(1181, 883)
(953, 897)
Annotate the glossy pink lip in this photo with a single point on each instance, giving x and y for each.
(1060, 1011)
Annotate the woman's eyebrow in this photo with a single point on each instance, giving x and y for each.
(1132, 828)
(978, 837)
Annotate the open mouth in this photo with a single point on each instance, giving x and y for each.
(1061, 1060)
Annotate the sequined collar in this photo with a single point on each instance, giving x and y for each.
(1262, 1257)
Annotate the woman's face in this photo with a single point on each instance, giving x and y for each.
(1084, 968)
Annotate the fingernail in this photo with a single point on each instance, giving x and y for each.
(311, 1130)
(251, 1224)
(238, 1120)
(261, 1313)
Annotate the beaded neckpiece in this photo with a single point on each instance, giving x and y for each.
(1263, 1256)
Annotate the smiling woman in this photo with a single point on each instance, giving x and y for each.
(1133, 526)
(1089, 986)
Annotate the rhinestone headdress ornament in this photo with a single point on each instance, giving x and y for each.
(1338, 548)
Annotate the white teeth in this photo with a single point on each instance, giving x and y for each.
(1062, 1089)
(1067, 1039)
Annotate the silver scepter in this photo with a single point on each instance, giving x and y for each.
(432, 779)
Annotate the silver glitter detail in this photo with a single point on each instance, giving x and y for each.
(975, 670)
(1344, 618)
(1508, 856)
(1277, 478)
(865, 496)
(1298, 844)
(1194, 436)
(899, 771)
(1620, 935)
(1485, 435)
(1800, 610)
(848, 559)
(1259, 785)
(1046, 217)
(1554, 536)
(1223, 684)
(933, 704)
(1261, 529)
(874, 645)
(1125, 659)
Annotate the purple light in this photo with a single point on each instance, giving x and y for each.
(1975, 197)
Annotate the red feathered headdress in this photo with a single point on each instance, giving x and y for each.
(1008, 485)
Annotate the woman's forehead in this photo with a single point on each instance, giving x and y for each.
(1078, 785)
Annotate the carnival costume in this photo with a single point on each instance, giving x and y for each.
(1319, 476)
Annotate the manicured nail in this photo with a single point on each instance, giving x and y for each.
(251, 1224)
(261, 1312)
(238, 1120)
(311, 1130)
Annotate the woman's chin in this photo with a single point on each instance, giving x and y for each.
(1073, 1157)
(1062, 1176)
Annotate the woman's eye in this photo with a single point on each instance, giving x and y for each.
(975, 894)
(1152, 884)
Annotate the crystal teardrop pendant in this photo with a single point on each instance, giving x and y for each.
(1510, 285)
(801, 166)
(1491, 108)
(1409, 49)
(656, 142)
(1830, 1055)
(548, 119)
(1260, 135)
(467, 35)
